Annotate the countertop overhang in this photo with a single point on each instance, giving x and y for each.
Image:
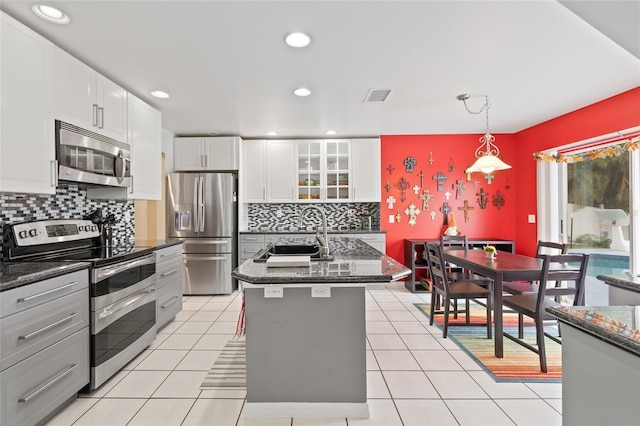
(354, 262)
(625, 282)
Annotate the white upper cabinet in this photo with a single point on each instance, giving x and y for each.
(267, 171)
(323, 170)
(365, 172)
(27, 147)
(280, 171)
(211, 153)
(87, 99)
(145, 137)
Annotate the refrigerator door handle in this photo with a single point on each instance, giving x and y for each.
(202, 206)
(206, 242)
(195, 205)
(186, 257)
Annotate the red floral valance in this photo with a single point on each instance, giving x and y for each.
(590, 154)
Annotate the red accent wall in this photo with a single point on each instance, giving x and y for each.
(483, 223)
(616, 113)
(510, 222)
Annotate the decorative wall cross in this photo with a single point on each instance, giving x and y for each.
(452, 166)
(409, 163)
(390, 169)
(476, 184)
(425, 197)
(447, 195)
(412, 211)
(482, 198)
(388, 186)
(430, 158)
(421, 176)
(398, 216)
(459, 187)
(390, 201)
(403, 185)
(498, 200)
(466, 209)
(489, 177)
(506, 185)
(440, 178)
(433, 215)
(445, 209)
(416, 189)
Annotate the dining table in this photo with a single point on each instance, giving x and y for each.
(505, 266)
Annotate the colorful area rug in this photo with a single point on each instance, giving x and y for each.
(230, 369)
(519, 364)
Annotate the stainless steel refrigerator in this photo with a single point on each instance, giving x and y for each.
(202, 211)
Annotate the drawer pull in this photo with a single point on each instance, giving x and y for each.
(44, 293)
(47, 385)
(46, 328)
(170, 302)
(166, 274)
(250, 239)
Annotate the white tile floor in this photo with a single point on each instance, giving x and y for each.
(415, 377)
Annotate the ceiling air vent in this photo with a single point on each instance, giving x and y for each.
(377, 95)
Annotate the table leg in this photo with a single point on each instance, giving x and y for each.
(497, 313)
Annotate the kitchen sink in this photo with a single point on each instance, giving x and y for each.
(313, 251)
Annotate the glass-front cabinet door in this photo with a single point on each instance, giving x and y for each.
(309, 157)
(336, 170)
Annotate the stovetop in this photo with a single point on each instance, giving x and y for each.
(100, 256)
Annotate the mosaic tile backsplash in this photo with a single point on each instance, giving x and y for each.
(340, 216)
(69, 202)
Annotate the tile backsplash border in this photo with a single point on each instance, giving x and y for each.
(284, 216)
(69, 202)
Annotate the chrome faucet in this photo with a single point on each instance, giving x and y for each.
(322, 239)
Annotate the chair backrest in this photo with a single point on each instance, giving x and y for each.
(550, 248)
(437, 269)
(454, 242)
(559, 268)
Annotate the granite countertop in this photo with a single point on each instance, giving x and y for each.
(295, 230)
(354, 262)
(17, 274)
(626, 282)
(616, 325)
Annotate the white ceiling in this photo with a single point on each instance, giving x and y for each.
(229, 72)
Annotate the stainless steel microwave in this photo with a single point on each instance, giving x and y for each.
(90, 158)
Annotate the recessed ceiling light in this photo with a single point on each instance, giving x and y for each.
(302, 91)
(330, 132)
(50, 14)
(272, 133)
(159, 94)
(297, 39)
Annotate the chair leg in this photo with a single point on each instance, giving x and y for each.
(541, 349)
(488, 318)
(455, 309)
(433, 307)
(520, 326)
(466, 311)
(447, 303)
(490, 309)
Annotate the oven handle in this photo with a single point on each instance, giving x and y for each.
(123, 304)
(105, 272)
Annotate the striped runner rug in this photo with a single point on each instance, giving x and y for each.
(230, 369)
(519, 364)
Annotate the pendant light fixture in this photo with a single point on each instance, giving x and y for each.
(487, 153)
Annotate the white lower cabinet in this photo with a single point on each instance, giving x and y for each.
(169, 277)
(44, 347)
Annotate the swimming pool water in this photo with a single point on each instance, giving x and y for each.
(604, 264)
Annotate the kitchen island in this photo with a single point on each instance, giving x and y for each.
(600, 364)
(306, 337)
(623, 289)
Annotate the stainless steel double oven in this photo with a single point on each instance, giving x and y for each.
(122, 286)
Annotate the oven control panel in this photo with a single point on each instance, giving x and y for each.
(54, 231)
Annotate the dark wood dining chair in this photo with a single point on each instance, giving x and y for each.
(453, 291)
(555, 269)
(528, 287)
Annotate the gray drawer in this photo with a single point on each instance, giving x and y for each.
(28, 296)
(247, 250)
(168, 253)
(27, 332)
(38, 385)
(251, 238)
(168, 271)
(168, 303)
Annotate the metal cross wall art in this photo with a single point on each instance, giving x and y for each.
(459, 187)
(498, 200)
(431, 158)
(388, 186)
(466, 209)
(452, 166)
(445, 209)
(390, 169)
(425, 197)
(421, 176)
(483, 198)
(440, 178)
(403, 185)
(409, 163)
(489, 177)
